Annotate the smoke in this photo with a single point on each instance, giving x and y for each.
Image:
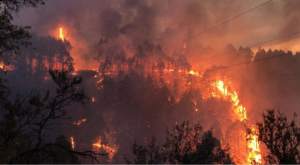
(164, 23)
(110, 27)
(111, 20)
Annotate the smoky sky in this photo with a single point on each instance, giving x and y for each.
(127, 23)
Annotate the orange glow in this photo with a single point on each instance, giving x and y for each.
(72, 142)
(79, 122)
(239, 109)
(109, 148)
(61, 34)
(253, 145)
(100, 80)
(193, 73)
(254, 152)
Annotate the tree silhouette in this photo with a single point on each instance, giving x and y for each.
(183, 144)
(12, 36)
(25, 122)
(59, 155)
(209, 151)
(281, 137)
(151, 154)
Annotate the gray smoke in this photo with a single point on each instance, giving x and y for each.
(161, 22)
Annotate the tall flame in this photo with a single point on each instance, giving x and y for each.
(61, 34)
(240, 111)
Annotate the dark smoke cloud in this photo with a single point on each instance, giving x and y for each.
(164, 22)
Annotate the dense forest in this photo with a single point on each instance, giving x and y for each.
(144, 106)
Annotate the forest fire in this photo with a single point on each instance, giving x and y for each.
(225, 91)
(149, 82)
(241, 114)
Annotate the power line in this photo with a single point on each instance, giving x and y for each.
(249, 62)
(248, 46)
(218, 24)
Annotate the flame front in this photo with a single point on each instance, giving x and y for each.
(253, 146)
(109, 148)
(61, 34)
(241, 114)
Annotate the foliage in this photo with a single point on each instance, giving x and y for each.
(61, 156)
(209, 151)
(25, 123)
(281, 137)
(182, 140)
(151, 154)
(12, 36)
(4, 90)
(183, 145)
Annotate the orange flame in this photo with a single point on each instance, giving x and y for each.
(79, 122)
(193, 73)
(241, 114)
(253, 145)
(72, 142)
(109, 148)
(61, 34)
